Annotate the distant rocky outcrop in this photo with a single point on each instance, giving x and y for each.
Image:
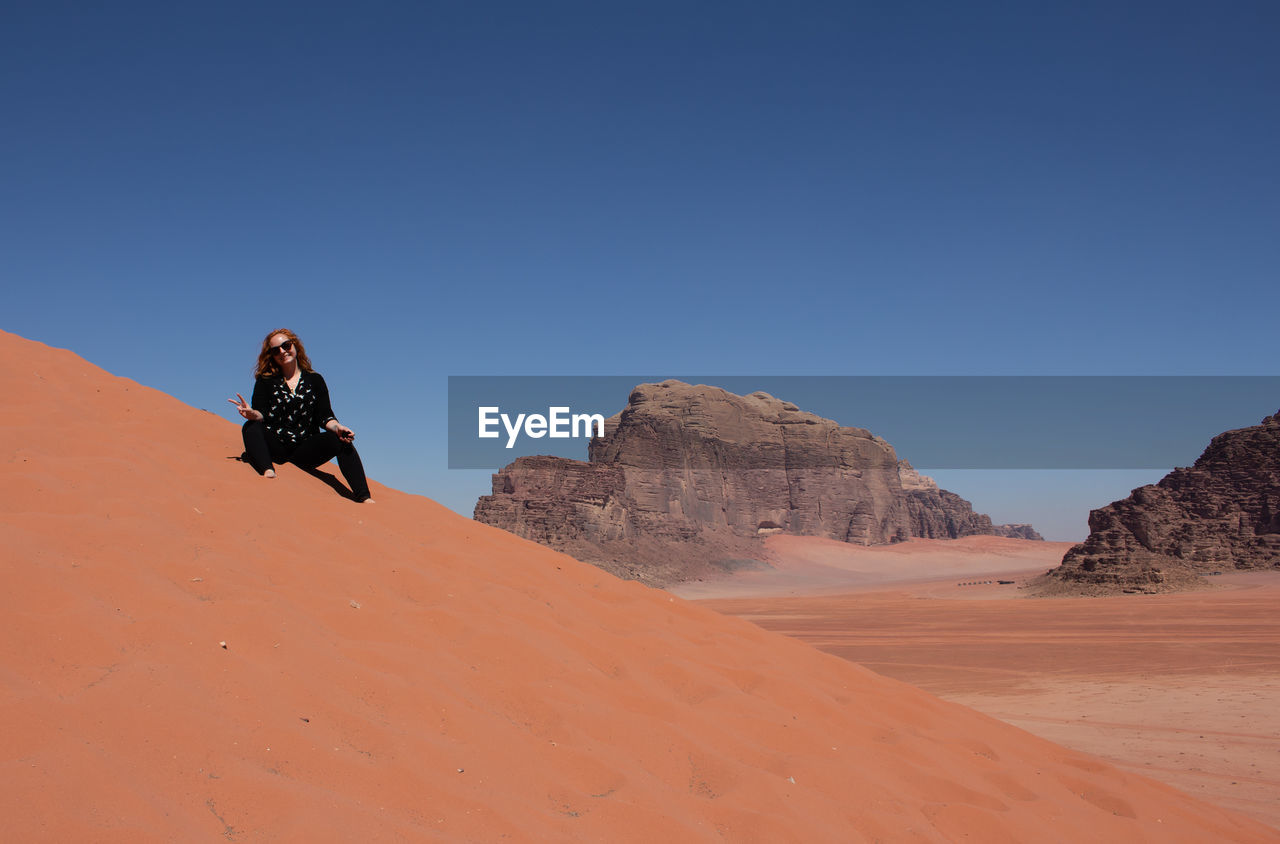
(939, 514)
(688, 479)
(1222, 514)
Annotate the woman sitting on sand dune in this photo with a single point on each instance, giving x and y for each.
(290, 419)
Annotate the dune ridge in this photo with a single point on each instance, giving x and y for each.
(194, 652)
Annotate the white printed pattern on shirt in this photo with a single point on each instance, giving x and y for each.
(290, 411)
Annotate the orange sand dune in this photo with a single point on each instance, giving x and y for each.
(395, 671)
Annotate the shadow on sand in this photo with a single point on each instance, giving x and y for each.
(329, 479)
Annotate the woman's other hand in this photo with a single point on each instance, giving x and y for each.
(344, 433)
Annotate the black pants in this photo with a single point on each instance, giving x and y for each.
(264, 448)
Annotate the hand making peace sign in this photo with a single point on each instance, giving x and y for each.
(243, 407)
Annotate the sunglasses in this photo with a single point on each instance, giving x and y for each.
(286, 346)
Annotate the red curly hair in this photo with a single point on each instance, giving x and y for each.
(267, 366)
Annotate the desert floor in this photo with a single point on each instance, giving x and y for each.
(1184, 688)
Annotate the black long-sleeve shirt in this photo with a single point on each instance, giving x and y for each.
(293, 415)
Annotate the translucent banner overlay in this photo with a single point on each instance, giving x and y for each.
(936, 422)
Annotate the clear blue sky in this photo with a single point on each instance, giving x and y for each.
(426, 189)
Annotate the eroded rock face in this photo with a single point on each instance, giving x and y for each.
(687, 479)
(939, 514)
(1221, 514)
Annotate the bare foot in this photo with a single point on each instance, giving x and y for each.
(367, 501)
(270, 473)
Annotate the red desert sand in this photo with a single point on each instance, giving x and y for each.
(1184, 688)
(807, 565)
(196, 653)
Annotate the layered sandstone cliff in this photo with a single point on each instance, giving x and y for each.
(687, 479)
(1221, 514)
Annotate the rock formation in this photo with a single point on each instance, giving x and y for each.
(687, 479)
(1221, 514)
(939, 514)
